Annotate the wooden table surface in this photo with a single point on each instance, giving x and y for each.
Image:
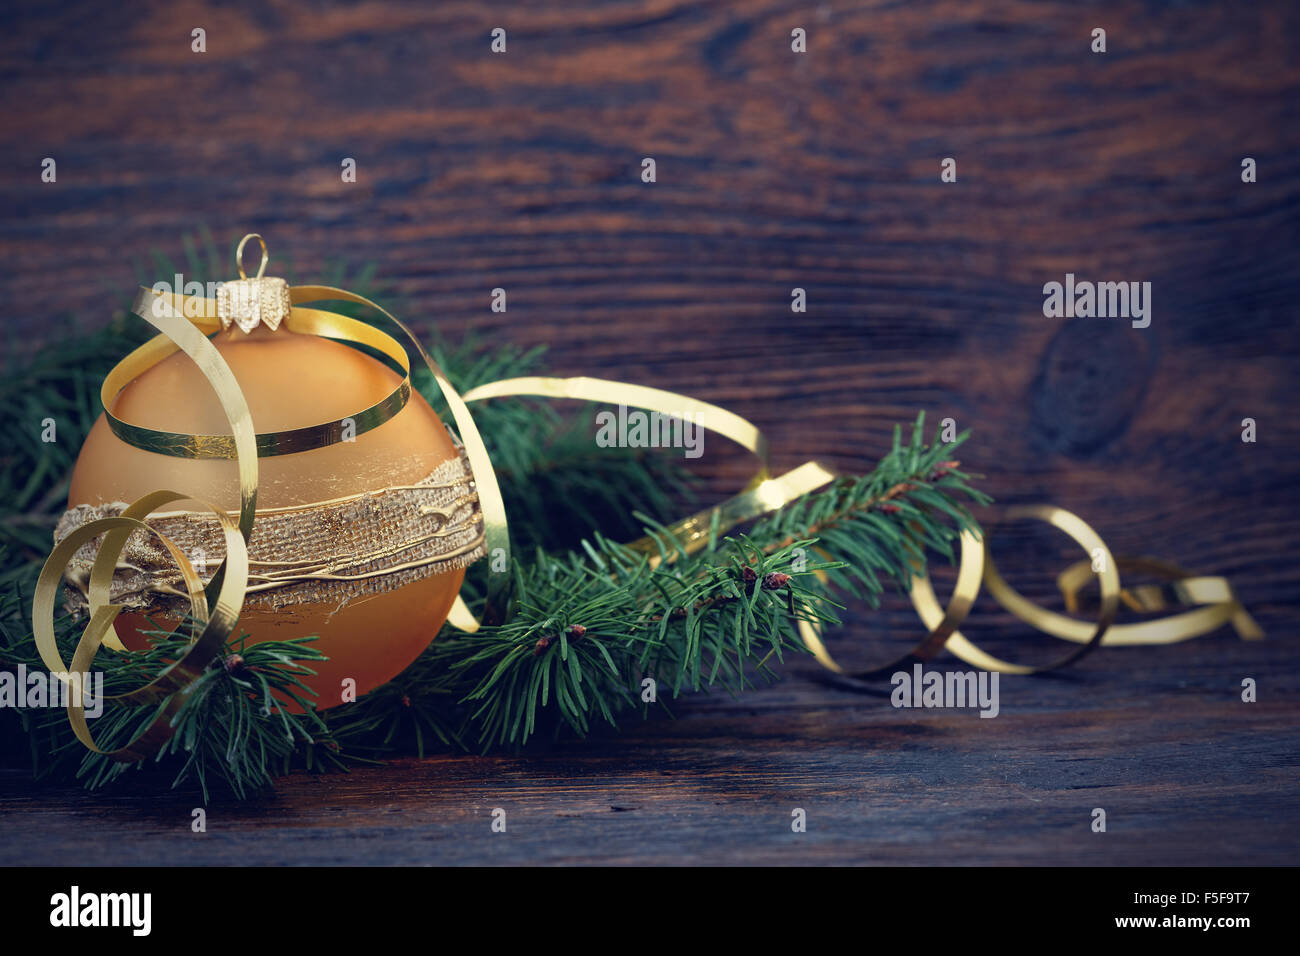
(775, 170)
(1186, 773)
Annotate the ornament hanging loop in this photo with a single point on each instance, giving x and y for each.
(249, 303)
(239, 255)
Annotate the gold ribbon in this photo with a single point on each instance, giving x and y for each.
(976, 565)
(185, 321)
(214, 620)
(288, 442)
(765, 494)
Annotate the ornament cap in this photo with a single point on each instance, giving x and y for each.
(248, 303)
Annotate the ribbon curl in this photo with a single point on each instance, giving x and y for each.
(185, 322)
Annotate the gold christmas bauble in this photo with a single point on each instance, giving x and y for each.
(359, 496)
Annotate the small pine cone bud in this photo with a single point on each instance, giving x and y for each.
(943, 469)
(576, 631)
(406, 700)
(542, 644)
(775, 581)
(748, 575)
(233, 664)
(889, 508)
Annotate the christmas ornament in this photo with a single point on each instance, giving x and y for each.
(363, 510)
(362, 542)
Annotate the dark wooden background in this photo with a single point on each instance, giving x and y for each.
(775, 170)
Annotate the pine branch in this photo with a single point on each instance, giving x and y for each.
(232, 729)
(592, 624)
(601, 633)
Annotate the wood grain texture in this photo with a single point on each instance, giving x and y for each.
(774, 171)
(1187, 774)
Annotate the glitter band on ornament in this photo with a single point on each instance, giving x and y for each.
(327, 552)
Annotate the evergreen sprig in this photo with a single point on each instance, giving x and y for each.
(234, 724)
(600, 632)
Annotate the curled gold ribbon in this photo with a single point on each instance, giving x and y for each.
(492, 505)
(184, 323)
(765, 494)
(976, 565)
(287, 442)
(215, 612)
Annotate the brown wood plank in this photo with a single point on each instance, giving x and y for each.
(775, 171)
(1186, 772)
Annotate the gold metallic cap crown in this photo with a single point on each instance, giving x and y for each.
(251, 302)
(248, 302)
